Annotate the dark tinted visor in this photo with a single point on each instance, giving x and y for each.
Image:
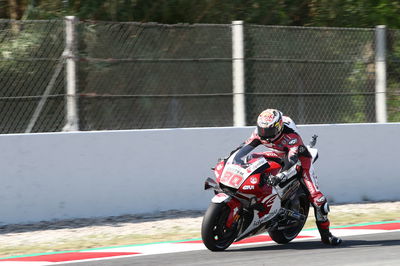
(267, 133)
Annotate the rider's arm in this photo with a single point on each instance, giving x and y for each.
(245, 149)
(292, 158)
(292, 148)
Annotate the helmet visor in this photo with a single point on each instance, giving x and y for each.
(267, 133)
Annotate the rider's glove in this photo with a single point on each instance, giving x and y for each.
(274, 180)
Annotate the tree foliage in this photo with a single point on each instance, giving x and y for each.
(338, 13)
(319, 13)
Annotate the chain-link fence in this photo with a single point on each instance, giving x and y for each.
(134, 75)
(30, 65)
(317, 75)
(153, 76)
(393, 76)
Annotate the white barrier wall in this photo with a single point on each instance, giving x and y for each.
(92, 174)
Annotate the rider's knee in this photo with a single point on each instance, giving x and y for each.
(318, 199)
(321, 208)
(325, 208)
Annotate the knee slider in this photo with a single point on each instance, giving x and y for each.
(322, 205)
(321, 212)
(325, 208)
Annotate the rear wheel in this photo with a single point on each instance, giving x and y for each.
(214, 232)
(288, 234)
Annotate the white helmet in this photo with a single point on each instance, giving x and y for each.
(270, 124)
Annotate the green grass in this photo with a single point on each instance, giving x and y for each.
(345, 218)
(92, 241)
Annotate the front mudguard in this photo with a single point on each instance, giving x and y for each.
(221, 197)
(233, 204)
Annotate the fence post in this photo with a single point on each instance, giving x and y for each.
(239, 106)
(72, 119)
(380, 74)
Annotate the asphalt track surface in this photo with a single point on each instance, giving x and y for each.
(373, 249)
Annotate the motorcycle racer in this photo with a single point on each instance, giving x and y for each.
(280, 135)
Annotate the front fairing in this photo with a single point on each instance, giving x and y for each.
(234, 175)
(219, 168)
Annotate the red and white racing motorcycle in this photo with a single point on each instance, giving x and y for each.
(245, 205)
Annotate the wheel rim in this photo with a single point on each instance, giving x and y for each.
(292, 232)
(223, 235)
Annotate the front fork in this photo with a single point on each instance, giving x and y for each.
(233, 204)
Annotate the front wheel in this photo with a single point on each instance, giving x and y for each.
(214, 232)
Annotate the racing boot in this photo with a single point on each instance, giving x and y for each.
(321, 210)
(326, 235)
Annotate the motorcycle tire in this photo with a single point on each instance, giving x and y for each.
(215, 234)
(286, 235)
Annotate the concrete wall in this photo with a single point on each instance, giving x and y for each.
(91, 174)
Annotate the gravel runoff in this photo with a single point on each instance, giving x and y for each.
(146, 224)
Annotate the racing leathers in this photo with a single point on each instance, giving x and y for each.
(290, 148)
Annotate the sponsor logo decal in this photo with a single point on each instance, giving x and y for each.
(248, 187)
(254, 166)
(253, 180)
(269, 201)
(265, 218)
(293, 141)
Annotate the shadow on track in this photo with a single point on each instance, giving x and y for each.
(308, 245)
